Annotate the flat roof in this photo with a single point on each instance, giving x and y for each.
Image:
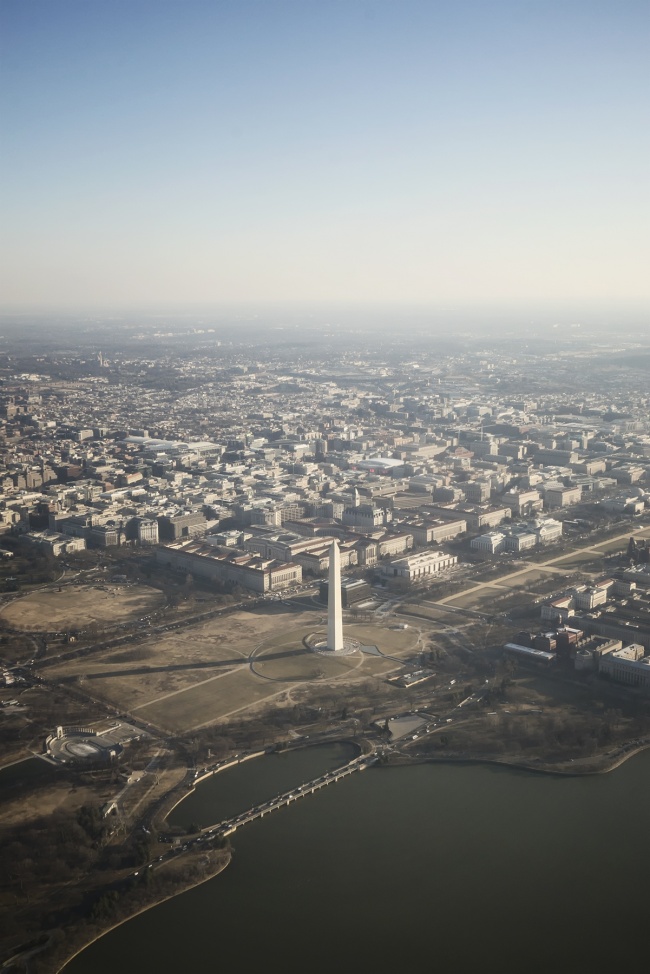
(530, 651)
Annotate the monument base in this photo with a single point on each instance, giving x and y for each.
(317, 642)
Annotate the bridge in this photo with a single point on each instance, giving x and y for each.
(259, 811)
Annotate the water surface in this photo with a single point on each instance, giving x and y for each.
(464, 868)
(252, 782)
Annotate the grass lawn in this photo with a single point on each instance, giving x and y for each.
(209, 701)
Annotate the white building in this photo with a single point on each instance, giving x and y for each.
(628, 665)
(247, 569)
(590, 598)
(57, 544)
(492, 542)
(366, 516)
(547, 529)
(521, 540)
(395, 544)
(417, 566)
(560, 496)
(428, 531)
(147, 531)
(525, 502)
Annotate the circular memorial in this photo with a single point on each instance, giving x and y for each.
(81, 745)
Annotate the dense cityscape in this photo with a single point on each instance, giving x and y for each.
(239, 465)
(491, 516)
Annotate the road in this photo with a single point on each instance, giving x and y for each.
(548, 565)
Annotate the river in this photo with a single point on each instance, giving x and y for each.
(464, 867)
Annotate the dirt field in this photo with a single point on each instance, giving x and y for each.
(157, 666)
(210, 701)
(190, 677)
(578, 559)
(476, 599)
(390, 641)
(613, 546)
(302, 664)
(437, 614)
(61, 794)
(531, 577)
(527, 578)
(76, 606)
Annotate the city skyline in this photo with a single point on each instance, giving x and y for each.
(361, 153)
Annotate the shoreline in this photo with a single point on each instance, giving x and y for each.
(144, 909)
(501, 763)
(521, 766)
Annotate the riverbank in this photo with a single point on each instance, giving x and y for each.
(78, 936)
(572, 768)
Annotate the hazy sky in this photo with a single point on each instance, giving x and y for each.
(419, 151)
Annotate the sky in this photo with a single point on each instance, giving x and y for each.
(176, 153)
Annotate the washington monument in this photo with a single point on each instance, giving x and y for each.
(334, 613)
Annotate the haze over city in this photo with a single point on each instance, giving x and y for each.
(471, 156)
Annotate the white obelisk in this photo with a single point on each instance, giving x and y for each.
(334, 612)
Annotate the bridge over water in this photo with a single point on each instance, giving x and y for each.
(259, 811)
